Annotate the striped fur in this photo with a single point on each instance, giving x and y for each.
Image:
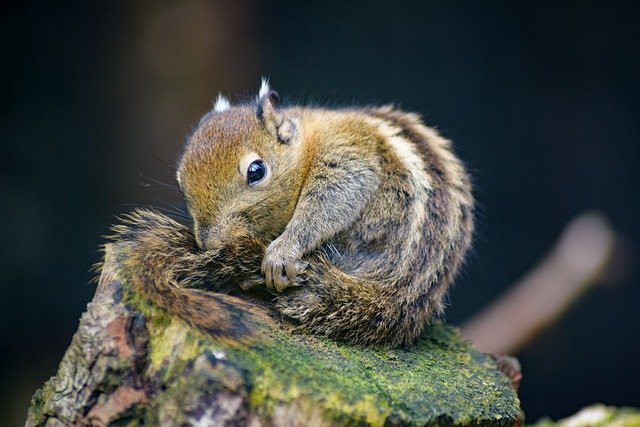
(357, 232)
(387, 275)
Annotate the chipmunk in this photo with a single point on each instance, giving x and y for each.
(356, 220)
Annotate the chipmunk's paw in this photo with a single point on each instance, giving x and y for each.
(282, 264)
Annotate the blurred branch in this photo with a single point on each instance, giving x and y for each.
(576, 262)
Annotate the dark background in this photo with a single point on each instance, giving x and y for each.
(540, 98)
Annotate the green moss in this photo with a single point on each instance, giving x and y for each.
(39, 399)
(439, 381)
(439, 376)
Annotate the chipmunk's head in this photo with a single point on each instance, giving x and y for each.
(241, 169)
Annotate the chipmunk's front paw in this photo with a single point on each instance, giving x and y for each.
(282, 264)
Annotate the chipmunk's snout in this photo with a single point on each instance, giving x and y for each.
(206, 235)
(226, 228)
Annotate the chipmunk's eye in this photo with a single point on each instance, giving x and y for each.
(256, 172)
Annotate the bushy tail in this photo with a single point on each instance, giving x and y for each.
(161, 260)
(335, 304)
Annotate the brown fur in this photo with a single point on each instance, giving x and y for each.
(163, 263)
(359, 228)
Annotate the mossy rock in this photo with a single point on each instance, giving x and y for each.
(131, 364)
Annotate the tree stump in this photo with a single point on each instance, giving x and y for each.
(131, 363)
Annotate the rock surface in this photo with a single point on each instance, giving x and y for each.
(597, 415)
(130, 363)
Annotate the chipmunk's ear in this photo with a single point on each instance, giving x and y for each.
(277, 122)
(221, 104)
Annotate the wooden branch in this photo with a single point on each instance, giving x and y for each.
(574, 265)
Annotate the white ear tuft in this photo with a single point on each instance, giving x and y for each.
(264, 88)
(221, 104)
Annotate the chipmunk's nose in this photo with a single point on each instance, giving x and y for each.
(200, 234)
(201, 238)
(206, 236)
